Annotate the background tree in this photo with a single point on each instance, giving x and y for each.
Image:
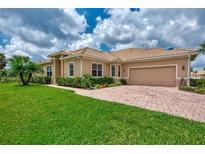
(202, 48)
(23, 67)
(3, 61)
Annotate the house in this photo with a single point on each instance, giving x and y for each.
(198, 75)
(152, 66)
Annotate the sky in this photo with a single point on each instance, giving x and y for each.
(39, 32)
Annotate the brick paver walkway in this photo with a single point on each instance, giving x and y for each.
(163, 99)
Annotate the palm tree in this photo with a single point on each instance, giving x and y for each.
(3, 61)
(23, 67)
(202, 48)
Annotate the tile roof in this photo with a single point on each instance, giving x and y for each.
(128, 54)
(132, 53)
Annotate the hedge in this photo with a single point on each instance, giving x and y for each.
(197, 82)
(102, 80)
(123, 81)
(193, 89)
(41, 79)
(86, 81)
(8, 79)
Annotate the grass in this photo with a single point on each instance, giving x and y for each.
(42, 115)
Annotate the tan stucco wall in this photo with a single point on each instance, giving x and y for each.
(77, 68)
(44, 67)
(87, 67)
(180, 62)
(57, 68)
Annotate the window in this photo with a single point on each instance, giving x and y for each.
(97, 70)
(70, 69)
(119, 70)
(49, 71)
(113, 69)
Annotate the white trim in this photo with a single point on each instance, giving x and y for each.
(153, 66)
(51, 69)
(111, 70)
(68, 69)
(93, 62)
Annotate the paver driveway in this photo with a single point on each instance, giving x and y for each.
(163, 99)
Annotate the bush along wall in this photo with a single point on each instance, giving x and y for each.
(8, 79)
(41, 79)
(87, 82)
(196, 86)
(197, 82)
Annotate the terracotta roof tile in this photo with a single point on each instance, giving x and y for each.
(130, 53)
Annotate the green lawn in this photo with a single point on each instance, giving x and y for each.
(42, 115)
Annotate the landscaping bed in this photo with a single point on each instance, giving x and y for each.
(193, 89)
(196, 86)
(89, 82)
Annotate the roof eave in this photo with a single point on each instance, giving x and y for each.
(195, 53)
(83, 55)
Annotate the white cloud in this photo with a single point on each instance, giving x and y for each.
(199, 61)
(21, 53)
(151, 28)
(38, 32)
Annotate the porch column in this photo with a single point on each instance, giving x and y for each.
(81, 67)
(54, 71)
(62, 67)
(189, 70)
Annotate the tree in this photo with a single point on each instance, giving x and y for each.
(3, 61)
(23, 67)
(202, 48)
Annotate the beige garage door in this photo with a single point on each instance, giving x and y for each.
(155, 76)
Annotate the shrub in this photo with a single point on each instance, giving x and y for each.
(200, 90)
(87, 81)
(197, 82)
(187, 88)
(60, 81)
(41, 79)
(68, 81)
(76, 82)
(192, 89)
(8, 79)
(102, 80)
(123, 81)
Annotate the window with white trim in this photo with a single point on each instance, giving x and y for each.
(49, 71)
(96, 70)
(119, 70)
(71, 69)
(113, 70)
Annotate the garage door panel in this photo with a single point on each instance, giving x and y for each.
(156, 76)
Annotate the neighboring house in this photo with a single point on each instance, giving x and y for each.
(153, 66)
(198, 75)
